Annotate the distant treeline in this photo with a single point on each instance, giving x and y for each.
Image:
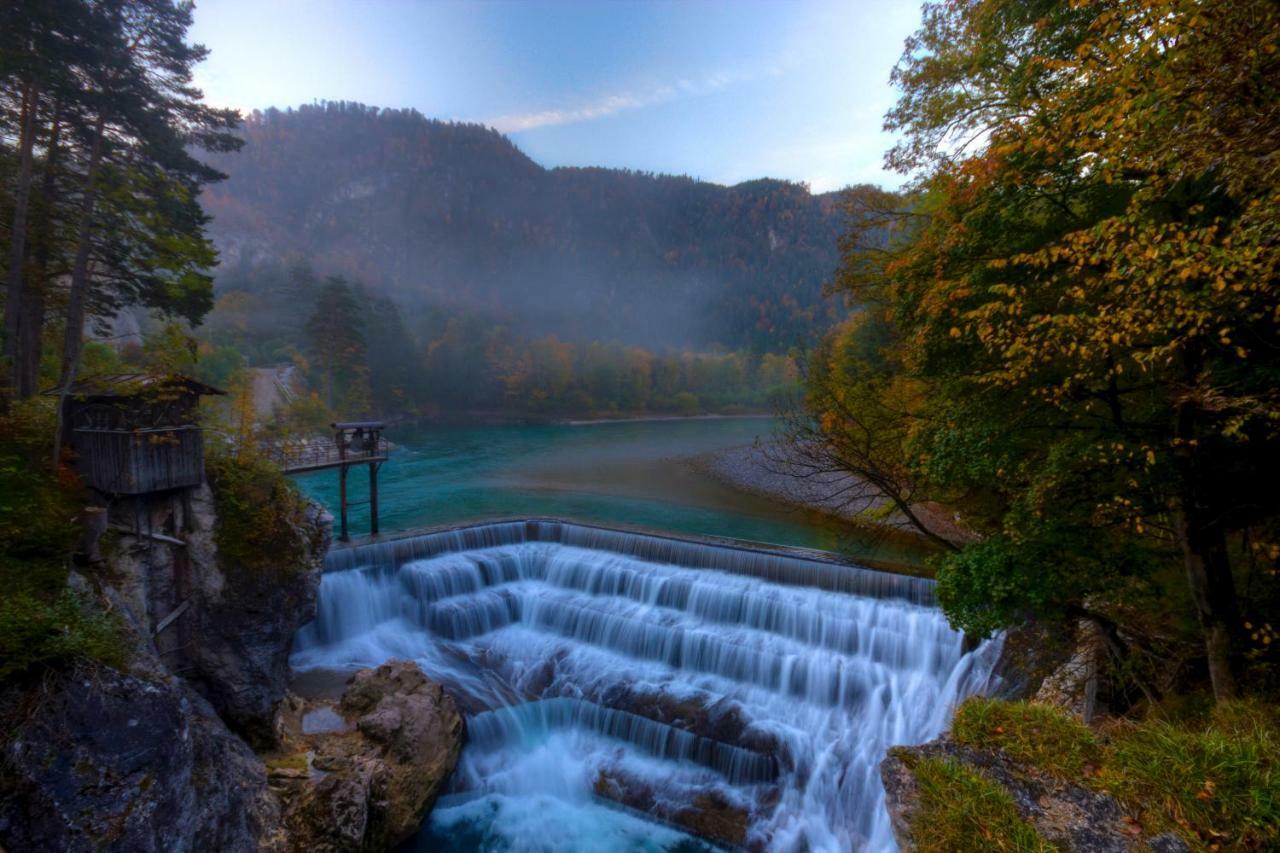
(360, 354)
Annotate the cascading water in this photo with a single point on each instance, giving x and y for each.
(598, 667)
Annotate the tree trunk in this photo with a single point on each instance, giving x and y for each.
(73, 338)
(38, 280)
(14, 332)
(74, 335)
(1204, 556)
(1203, 539)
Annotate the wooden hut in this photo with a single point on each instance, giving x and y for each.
(136, 433)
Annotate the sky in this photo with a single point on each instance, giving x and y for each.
(722, 90)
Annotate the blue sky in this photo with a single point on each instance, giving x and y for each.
(723, 91)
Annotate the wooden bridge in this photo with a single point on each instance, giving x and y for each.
(353, 443)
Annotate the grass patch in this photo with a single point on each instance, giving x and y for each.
(962, 810)
(1038, 735)
(1213, 779)
(1216, 784)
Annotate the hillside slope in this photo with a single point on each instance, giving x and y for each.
(455, 217)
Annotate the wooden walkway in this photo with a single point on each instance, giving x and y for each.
(300, 457)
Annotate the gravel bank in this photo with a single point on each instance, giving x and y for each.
(765, 470)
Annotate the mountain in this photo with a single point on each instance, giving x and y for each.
(454, 218)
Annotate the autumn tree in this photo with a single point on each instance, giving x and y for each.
(1079, 284)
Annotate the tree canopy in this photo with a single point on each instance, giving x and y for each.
(1078, 296)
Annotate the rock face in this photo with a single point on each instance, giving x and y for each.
(245, 623)
(1073, 686)
(144, 759)
(361, 774)
(109, 761)
(1069, 815)
(232, 637)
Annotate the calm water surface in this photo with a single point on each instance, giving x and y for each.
(633, 473)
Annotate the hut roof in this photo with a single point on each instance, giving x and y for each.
(136, 384)
(358, 425)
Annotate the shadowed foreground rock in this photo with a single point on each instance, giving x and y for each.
(102, 760)
(1070, 816)
(361, 774)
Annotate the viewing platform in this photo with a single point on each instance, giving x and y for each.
(353, 443)
(298, 457)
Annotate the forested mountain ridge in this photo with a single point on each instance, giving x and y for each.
(456, 218)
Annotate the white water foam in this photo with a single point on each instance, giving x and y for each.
(584, 656)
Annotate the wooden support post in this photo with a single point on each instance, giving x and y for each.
(373, 497)
(342, 501)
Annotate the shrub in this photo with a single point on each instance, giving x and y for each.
(35, 633)
(260, 514)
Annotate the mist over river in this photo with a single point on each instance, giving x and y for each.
(623, 472)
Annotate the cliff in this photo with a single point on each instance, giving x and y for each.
(159, 755)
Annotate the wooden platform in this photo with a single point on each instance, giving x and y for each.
(320, 455)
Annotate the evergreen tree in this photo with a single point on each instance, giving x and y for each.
(337, 349)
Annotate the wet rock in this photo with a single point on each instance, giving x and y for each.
(722, 721)
(709, 814)
(1069, 815)
(369, 782)
(102, 760)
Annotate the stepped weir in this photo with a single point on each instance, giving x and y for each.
(602, 666)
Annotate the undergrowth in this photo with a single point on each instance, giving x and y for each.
(260, 514)
(1214, 780)
(43, 623)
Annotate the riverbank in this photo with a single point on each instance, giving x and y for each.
(770, 470)
(635, 419)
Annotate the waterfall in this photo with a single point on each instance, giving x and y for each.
(595, 663)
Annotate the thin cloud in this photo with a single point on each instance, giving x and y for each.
(613, 104)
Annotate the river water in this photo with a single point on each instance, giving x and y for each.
(620, 688)
(627, 472)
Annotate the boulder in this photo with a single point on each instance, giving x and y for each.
(102, 760)
(361, 773)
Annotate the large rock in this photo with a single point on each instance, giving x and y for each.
(1073, 686)
(102, 760)
(361, 774)
(1069, 815)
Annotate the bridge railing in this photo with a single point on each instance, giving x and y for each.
(308, 454)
